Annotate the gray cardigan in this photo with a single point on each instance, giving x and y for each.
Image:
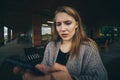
(88, 67)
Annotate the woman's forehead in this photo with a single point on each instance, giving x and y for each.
(62, 16)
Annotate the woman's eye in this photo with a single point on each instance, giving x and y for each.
(58, 24)
(67, 22)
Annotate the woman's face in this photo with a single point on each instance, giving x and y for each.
(65, 26)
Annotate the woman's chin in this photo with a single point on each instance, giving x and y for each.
(66, 39)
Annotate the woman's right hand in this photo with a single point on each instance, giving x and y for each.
(27, 75)
(19, 70)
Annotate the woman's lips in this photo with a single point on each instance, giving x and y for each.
(64, 35)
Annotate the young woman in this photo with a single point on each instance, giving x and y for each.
(71, 55)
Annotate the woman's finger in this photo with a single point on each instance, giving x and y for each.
(56, 67)
(40, 67)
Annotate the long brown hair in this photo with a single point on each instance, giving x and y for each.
(79, 36)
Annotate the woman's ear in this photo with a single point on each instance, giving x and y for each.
(76, 25)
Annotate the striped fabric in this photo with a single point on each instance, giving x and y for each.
(88, 67)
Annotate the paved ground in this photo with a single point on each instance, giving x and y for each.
(111, 59)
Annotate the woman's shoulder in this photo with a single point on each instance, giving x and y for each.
(90, 44)
(51, 43)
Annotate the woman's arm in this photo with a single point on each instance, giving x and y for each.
(49, 53)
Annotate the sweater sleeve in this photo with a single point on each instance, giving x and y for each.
(46, 56)
(92, 66)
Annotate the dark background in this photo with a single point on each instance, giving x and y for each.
(17, 14)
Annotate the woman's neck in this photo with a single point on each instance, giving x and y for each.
(65, 46)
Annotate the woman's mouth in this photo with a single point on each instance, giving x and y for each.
(64, 35)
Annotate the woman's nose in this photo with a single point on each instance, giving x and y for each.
(63, 27)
